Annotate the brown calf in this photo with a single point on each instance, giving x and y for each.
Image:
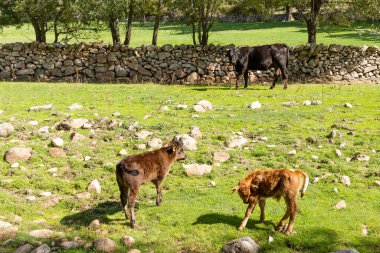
(135, 170)
(261, 184)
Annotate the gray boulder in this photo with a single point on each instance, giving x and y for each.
(241, 245)
(6, 129)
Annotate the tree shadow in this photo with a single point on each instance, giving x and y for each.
(232, 220)
(101, 212)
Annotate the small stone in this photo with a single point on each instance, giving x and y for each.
(237, 142)
(123, 152)
(197, 169)
(94, 224)
(212, 184)
(128, 240)
(221, 156)
(189, 143)
(292, 152)
(155, 143)
(142, 135)
(15, 165)
(104, 245)
(26, 248)
(140, 146)
(44, 248)
(45, 194)
(342, 145)
(41, 107)
(6, 129)
(306, 103)
(377, 182)
(205, 104)
(87, 158)
(77, 137)
(116, 114)
(316, 102)
(340, 205)
(263, 138)
(165, 108)
(41, 233)
(195, 116)
(314, 157)
(75, 107)
(195, 132)
(290, 103)
(364, 230)
(57, 152)
(360, 157)
(83, 195)
(348, 105)
(69, 245)
(315, 180)
(255, 105)
(335, 190)
(33, 123)
(94, 186)
(147, 116)
(18, 154)
(181, 106)
(241, 245)
(338, 152)
(134, 251)
(57, 142)
(30, 198)
(43, 130)
(345, 180)
(52, 170)
(199, 108)
(270, 239)
(4, 224)
(51, 202)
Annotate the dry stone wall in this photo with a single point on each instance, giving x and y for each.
(97, 62)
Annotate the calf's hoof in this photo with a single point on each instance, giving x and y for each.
(240, 228)
(287, 232)
(271, 88)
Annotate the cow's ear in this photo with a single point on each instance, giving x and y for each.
(170, 150)
(236, 188)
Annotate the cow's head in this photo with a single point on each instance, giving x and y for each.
(246, 191)
(233, 55)
(175, 150)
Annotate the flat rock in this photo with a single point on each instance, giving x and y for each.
(338, 152)
(142, 135)
(197, 169)
(155, 143)
(6, 129)
(123, 152)
(51, 202)
(75, 107)
(57, 142)
(205, 104)
(340, 205)
(41, 107)
(44, 248)
(104, 245)
(83, 195)
(140, 146)
(43, 130)
(181, 106)
(94, 186)
(306, 103)
(255, 105)
(33, 122)
(72, 124)
(41, 233)
(348, 105)
(57, 152)
(292, 152)
(77, 137)
(345, 180)
(8, 233)
(127, 240)
(195, 132)
(199, 108)
(4, 224)
(94, 224)
(133, 251)
(221, 156)
(236, 142)
(335, 134)
(241, 245)
(26, 248)
(189, 143)
(165, 108)
(361, 157)
(18, 154)
(345, 251)
(69, 245)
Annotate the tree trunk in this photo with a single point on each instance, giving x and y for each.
(39, 31)
(288, 13)
(56, 33)
(113, 24)
(128, 32)
(311, 31)
(156, 23)
(194, 33)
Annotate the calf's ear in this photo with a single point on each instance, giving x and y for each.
(236, 188)
(170, 150)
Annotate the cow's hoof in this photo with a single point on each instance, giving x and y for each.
(271, 88)
(240, 228)
(288, 233)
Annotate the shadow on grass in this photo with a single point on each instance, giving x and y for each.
(232, 220)
(101, 212)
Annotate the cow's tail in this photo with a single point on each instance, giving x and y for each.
(287, 58)
(121, 169)
(305, 183)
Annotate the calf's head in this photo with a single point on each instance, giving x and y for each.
(233, 55)
(175, 150)
(246, 191)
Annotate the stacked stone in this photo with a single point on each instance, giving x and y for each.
(89, 62)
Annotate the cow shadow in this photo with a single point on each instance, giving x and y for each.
(232, 220)
(101, 211)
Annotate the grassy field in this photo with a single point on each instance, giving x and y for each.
(292, 33)
(195, 217)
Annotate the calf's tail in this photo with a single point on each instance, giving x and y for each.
(305, 184)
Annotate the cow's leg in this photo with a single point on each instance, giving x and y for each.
(124, 200)
(277, 73)
(293, 213)
(132, 195)
(248, 213)
(262, 209)
(284, 73)
(237, 80)
(283, 220)
(159, 192)
(246, 79)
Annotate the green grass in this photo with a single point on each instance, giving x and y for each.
(292, 33)
(194, 217)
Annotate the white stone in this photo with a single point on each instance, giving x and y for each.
(123, 152)
(270, 239)
(221, 156)
(342, 145)
(306, 103)
(292, 152)
(57, 142)
(147, 116)
(87, 158)
(263, 138)
(189, 143)
(205, 104)
(348, 105)
(316, 102)
(41, 107)
(314, 157)
(315, 180)
(195, 132)
(255, 105)
(94, 186)
(45, 194)
(75, 107)
(116, 114)
(345, 180)
(165, 108)
(4, 224)
(199, 108)
(30, 198)
(338, 152)
(340, 205)
(377, 182)
(52, 170)
(15, 165)
(128, 240)
(181, 106)
(6, 129)
(41, 233)
(33, 123)
(335, 190)
(195, 116)
(142, 135)
(140, 146)
(212, 184)
(155, 143)
(43, 130)
(197, 169)
(237, 142)
(271, 146)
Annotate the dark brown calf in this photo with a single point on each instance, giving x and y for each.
(261, 184)
(135, 170)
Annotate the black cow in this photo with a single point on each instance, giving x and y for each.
(260, 58)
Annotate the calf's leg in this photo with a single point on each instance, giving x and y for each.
(132, 195)
(276, 77)
(284, 72)
(293, 213)
(159, 192)
(246, 79)
(248, 213)
(262, 209)
(124, 200)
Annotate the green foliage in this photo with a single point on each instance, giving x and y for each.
(195, 217)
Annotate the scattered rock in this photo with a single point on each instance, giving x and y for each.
(195, 132)
(292, 152)
(270, 239)
(335, 190)
(6, 129)
(140, 146)
(205, 104)
(221, 156)
(15, 165)
(165, 108)
(134, 251)
(338, 152)
(345, 251)
(4, 224)
(77, 137)
(104, 245)
(41, 233)
(142, 135)
(94, 224)
(57, 152)
(312, 140)
(364, 229)
(57, 142)
(340, 205)
(237, 142)
(263, 138)
(41, 107)
(52, 170)
(181, 107)
(348, 105)
(212, 184)
(51, 202)
(345, 180)
(26, 248)
(155, 143)
(69, 245)
(75, 107)
(377, 182)
(44, 248)
(127, 240)
(94, 186)
(314, 157)
(43, 130)
(360, 157)
(189, 143)
(87, 158)
(306, 103)
(316, 102)
(83, 195)
(197, 169)
(241, 245)
(199, 108)
(72, 124)
(123, 152)
(315, 180)
(335, 134)
(116, 114)
(290, 103)
(33, 122)
(45, 194)
(18, 154)
(255, 105)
